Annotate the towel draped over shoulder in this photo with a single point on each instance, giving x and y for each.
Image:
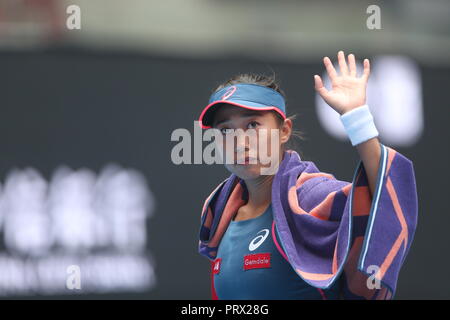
(331, 228)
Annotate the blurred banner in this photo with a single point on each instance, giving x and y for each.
(91, 204)
(77, 221)
(288, 30)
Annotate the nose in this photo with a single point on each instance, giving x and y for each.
(242, 143)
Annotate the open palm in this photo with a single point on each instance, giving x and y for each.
(348, 90)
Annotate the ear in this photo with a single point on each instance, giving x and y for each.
(286, 130)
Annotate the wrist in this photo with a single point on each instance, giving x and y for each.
(359, 124)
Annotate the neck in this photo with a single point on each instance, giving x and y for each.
(259, 191)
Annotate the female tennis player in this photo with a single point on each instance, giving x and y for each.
(300, 233)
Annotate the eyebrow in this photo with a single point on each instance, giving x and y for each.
(246, 114)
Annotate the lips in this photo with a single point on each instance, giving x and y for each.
(247, 160)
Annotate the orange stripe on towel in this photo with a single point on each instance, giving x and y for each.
(321, 211)
(234, 202)
(391, 156)
(209, 197)
(315, 276)
(305, 176)
(402, 237)
(362, 200)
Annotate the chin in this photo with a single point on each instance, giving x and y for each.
(245, 172)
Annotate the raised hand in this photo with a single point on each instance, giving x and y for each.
(348, 90)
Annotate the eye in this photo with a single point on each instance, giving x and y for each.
(252, 125)
(226, 130)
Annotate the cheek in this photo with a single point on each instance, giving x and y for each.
(270, 139)
(221, 147)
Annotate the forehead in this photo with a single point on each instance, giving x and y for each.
(227, 112)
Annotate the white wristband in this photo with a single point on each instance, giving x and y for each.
(359, 125)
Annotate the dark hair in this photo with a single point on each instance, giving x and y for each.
(270, 82)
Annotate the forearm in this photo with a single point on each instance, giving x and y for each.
(348, 97)
(370, 153)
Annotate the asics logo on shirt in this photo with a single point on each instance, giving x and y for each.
(257, 241)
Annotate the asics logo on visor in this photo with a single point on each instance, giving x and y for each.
(229, 93)
(259, 240)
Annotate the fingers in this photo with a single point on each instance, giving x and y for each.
(366, 72)
(330, 69)
(318, 84)
(352, 64)
(342, 63)
(349, 69)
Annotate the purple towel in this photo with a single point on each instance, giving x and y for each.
(330, 228)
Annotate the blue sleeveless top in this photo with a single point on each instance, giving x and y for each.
(249, 265)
